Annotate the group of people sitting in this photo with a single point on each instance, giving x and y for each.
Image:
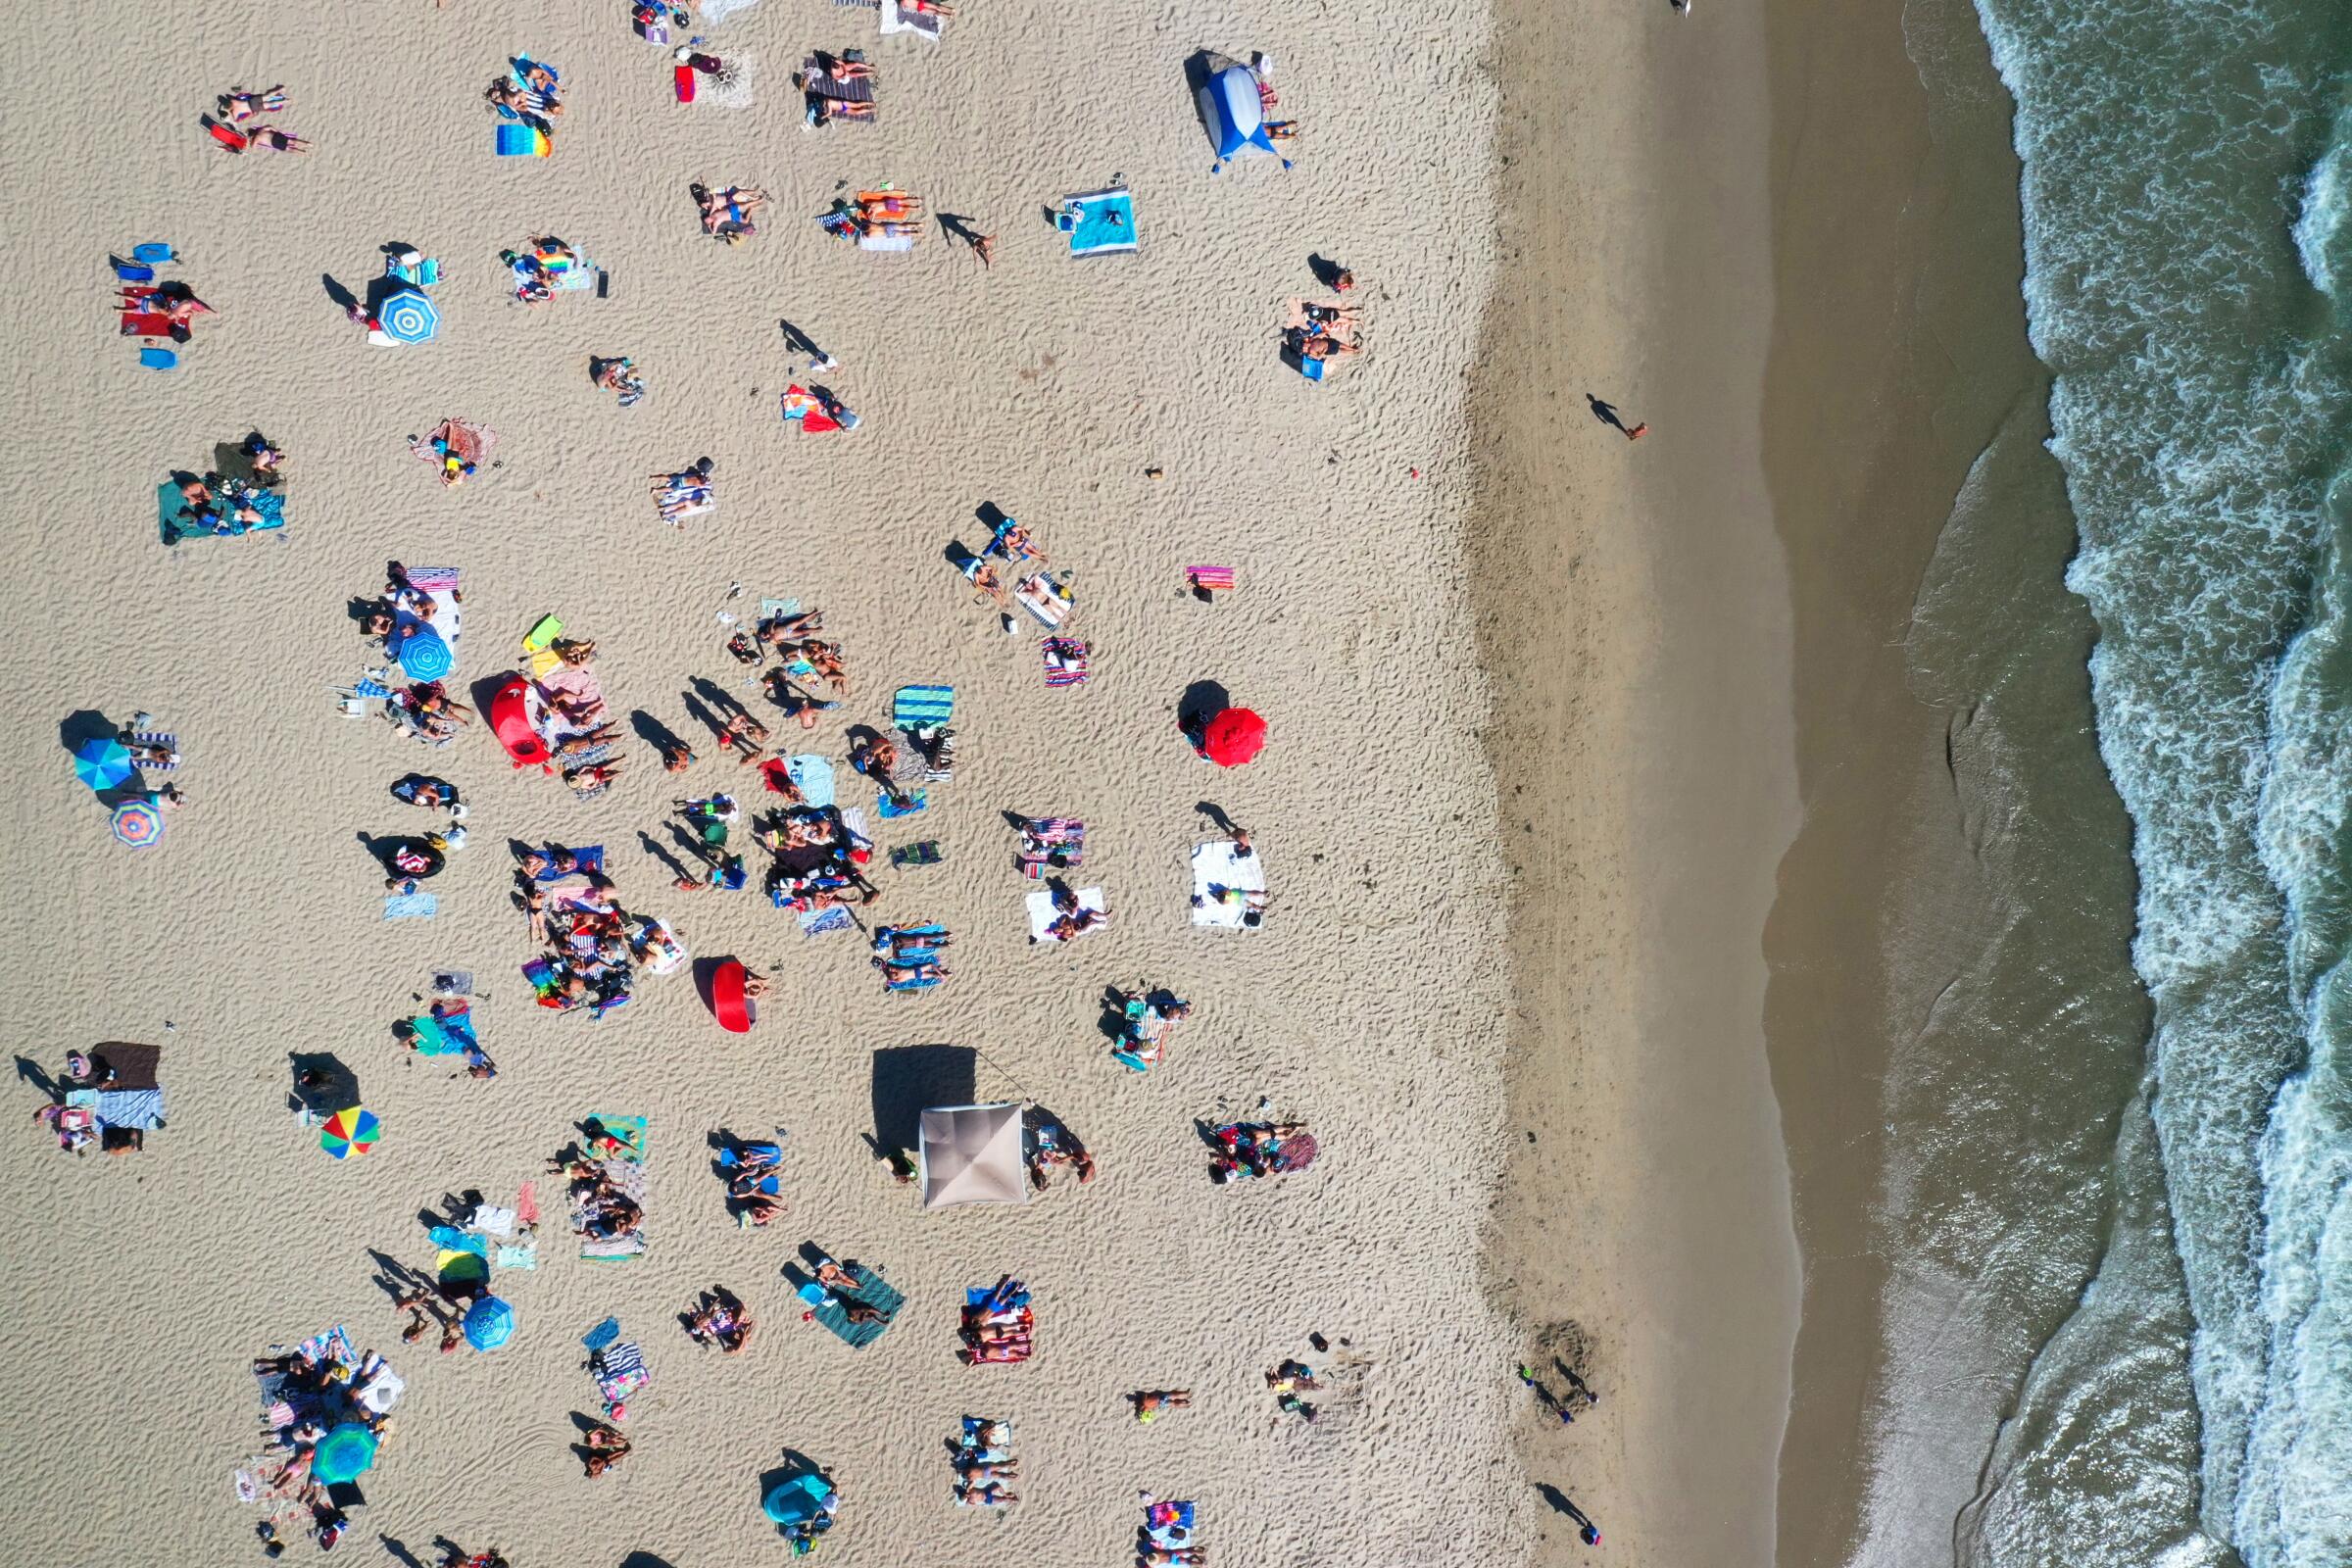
(902, 763)
(602, 1209)
(1166, 1539)
(753, 1172)
(1053, 1144)
(160, 309)
(424, 712)
(805, 665)
(1010, 542)
(1142, 1022)
(540, 270)
(567, 710)
(685, 493)
(529, 91)
(819, 860)
(727, 212)
(1246, 1150)
(318, 1387)
(983, 1463)
(224, 506)
(717, 1317)
(618, 377)
(594, 946)
(999, 1326)
(1321, 331)
(1289, 1380)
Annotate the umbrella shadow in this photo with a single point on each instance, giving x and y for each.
(323, 1083)
(1203, 701)
(908, 1079)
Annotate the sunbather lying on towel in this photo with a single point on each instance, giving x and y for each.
(241, 105)
(1013, 544)
(727, 214)
(991, 1496)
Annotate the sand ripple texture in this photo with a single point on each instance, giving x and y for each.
(136, 1289)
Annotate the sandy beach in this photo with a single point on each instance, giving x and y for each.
(1371, 1006)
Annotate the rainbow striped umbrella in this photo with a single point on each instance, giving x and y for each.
(138, 824)
(349, 1132)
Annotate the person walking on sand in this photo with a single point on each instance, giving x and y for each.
(1607, 414)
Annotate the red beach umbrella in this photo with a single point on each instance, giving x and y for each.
(1233, 737)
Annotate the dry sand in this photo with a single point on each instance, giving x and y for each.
(1373, 1005)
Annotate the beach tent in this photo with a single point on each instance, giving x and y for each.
(735, 1010)
(972, 1155)
(1231, 111)
(800, 1500)
(511, 722)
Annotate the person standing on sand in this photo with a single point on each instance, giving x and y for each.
(1607, 414)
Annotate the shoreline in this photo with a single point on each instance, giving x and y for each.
(1635, 632)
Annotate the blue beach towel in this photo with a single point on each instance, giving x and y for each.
(921, 708)
(813, 776)
(411, 907)
(874, 1291)
(894, 805)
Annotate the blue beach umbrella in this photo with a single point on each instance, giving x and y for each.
(489, 1322)
(344, 1454)
(408, 316)
(423, 652)
(102, 763)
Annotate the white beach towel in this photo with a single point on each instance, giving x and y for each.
(922, 24)
(886, 242)
(1221, 883)
(1042, 912)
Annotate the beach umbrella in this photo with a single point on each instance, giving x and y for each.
(1233, 737)
(489, 1323)
(344, 1454)
(102, 763)
(424, 653)
(349, 1132)
(408, 316)
(797, 1501)
(138, 824)
(972, 1155)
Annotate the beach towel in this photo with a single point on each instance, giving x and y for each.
(893, 806)
(1211, 579)
(619, 1369)
(917, 709)
(449, 1035)
(874, 1291)
(591, 858)
(733, 87)
(908, 856)
(139, 1109)
(1051, 844)
(1045, 598)
(515, 140)
(158, 359)
(853, 90)
(1100, 223)
(1042, 912)
(1066, 663)
(813, 776)
(411, 905)
(169, 743)
(715, 11)
(171, 511)
(816, 922)
(886, 242)
(1221, 883)
(898, 18)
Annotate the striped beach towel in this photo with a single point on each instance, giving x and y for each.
(169, 743)
(921, 708)
(1066, 663)
(1210, 579)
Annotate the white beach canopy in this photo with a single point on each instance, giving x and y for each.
(972, 1155)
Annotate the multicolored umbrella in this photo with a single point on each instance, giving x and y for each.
(344, 1454)
(489, 1323)
(138, 824)
(1233, 737)
(102, 763)
(408, 316)
(349, 1132)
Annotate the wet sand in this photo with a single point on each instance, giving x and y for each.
(1637, 628)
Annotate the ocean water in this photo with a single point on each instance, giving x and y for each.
(2188, 201)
